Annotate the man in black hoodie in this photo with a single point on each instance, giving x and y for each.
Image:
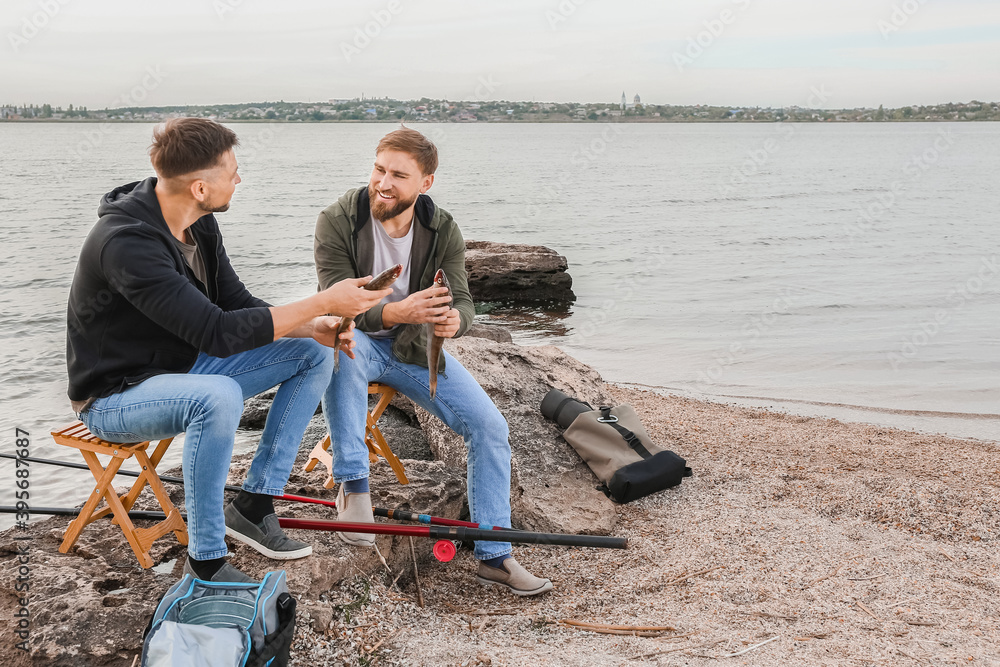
(163, 338)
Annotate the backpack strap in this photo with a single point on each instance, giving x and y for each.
(631, 439)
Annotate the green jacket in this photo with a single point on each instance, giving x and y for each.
(344, 247)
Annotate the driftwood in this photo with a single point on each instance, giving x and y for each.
(630, 630)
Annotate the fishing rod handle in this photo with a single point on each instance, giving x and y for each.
(524, 537)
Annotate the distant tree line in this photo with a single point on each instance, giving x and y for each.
(439, 110)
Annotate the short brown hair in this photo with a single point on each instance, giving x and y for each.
(185, 145)
(416, 145)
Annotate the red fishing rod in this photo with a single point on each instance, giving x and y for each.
(435, 532)
(397, 514)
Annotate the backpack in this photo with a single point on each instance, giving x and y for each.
(222, 624)
(615, 445)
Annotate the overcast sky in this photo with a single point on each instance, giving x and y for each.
(726, 52)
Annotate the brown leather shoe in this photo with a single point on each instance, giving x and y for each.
(512, 575)
(356, 508)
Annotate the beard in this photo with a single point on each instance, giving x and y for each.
(383, 211)
(208, 207)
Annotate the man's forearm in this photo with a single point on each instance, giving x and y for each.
(391, 315)
(294, 320)
(302, 331)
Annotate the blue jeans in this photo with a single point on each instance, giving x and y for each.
(206, 404)
(460, 403)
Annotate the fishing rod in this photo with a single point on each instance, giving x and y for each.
(163, 478)
(435, 532)
(397, 514)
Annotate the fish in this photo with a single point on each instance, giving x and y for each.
(434, 343)
(381, 281)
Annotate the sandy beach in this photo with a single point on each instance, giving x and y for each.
(798, 541)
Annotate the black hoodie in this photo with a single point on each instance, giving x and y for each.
(136, 309)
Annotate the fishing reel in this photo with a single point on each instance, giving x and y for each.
(444, 550)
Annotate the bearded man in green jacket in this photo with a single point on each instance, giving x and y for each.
(366, 231)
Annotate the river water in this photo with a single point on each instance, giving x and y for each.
(844, 270)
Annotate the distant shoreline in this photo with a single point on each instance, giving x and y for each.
(599, 121)
(426, 110)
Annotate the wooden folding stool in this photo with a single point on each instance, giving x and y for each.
(377, 446)
(77, 436)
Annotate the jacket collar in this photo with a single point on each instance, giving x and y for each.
(423, 237)
(138, 201)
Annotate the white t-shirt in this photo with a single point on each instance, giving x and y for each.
(388, 253)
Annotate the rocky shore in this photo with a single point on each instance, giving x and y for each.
(852, 544)
(798, 541)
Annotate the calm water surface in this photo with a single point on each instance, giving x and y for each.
(843, 270)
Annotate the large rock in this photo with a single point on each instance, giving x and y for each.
(552, 489)
(516, 272)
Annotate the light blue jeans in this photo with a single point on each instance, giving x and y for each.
(206, 404)
(460, 403)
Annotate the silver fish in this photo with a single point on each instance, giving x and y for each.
(381, 281)
(434, 343)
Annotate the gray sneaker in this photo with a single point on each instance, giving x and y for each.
(512, 575)
(268, 539)
(226, 573)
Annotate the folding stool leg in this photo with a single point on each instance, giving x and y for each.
(150, 477)
(127, 527)
(383, 449)
(161, 449)
(374, 438)
(129, 499)
(319, 454)
(102, 477)
(387, 393)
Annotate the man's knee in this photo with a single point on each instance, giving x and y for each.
(363, 348)
(354, 370)
(222, 399)
(320, 356)
(492, 424)
(313, 355)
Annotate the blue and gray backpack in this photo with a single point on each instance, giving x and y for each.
(219, 624)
